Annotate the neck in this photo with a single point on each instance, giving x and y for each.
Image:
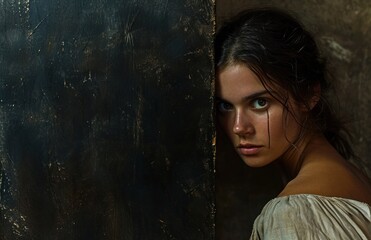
(294, 158)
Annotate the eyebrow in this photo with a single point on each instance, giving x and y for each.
(257, 94)
(249, 97)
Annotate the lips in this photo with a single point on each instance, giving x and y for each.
(248, 149)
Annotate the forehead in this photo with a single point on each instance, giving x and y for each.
(237, 79)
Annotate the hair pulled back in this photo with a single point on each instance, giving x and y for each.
(277, 48)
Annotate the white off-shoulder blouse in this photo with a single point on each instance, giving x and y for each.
(307, 216)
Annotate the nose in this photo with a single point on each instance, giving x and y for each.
(242, 124)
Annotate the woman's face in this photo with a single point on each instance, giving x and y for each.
(258, 125)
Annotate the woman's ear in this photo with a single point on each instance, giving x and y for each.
(315, 97)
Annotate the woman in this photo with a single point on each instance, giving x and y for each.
(271, 102)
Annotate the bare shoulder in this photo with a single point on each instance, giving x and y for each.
(331, 178)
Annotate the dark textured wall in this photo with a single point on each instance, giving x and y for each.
(343, 31)
(105, 119)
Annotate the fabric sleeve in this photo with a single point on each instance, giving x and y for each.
(303, 217)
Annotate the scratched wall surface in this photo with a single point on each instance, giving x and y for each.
(106, 119)
(343, 31)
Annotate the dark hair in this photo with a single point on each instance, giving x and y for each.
(277, 48)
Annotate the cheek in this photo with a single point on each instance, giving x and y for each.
(277, 132)
(284, 128)
(272, 124)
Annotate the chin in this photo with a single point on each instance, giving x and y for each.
(254, 162)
